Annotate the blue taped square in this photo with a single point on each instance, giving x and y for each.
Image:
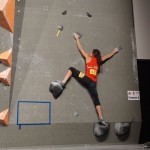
(33, 113)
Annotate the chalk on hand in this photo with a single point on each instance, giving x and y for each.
(79, 34)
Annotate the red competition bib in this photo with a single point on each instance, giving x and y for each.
(92, 69)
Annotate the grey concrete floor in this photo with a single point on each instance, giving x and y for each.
(82, 147)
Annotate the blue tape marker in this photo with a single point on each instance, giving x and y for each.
(49, 115)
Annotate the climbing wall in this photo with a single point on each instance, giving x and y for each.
(43, 55)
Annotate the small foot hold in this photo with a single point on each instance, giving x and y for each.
(119, 48)
(88, 14)
(64, 12)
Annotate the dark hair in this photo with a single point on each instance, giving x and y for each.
(97, 55)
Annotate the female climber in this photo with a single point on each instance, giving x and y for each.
(89, 79)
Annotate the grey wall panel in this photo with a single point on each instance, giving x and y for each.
(142, 22)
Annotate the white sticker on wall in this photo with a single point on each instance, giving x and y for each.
(133, 95)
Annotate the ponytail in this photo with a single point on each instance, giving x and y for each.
(97, 55)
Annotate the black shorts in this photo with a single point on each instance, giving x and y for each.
(88, 83)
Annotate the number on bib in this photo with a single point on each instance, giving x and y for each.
(92, 71)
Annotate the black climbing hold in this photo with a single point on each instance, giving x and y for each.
(100, 130)
(64, 12)
(56, 89)
(147, 145)
(88, 14)
(123, 128)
